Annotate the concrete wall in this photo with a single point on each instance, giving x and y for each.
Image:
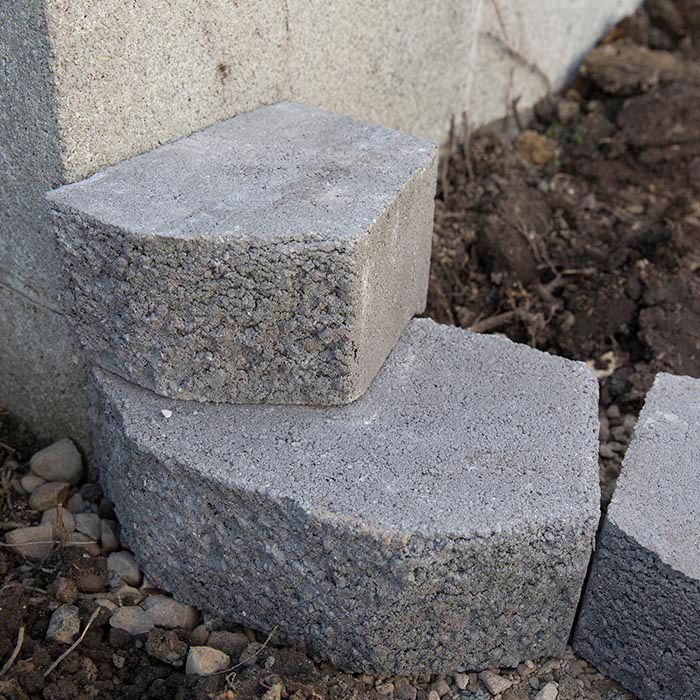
(553, 35)
(84, 84)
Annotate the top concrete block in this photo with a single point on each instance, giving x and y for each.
(443, 521)
(275, 257)
(657, 500)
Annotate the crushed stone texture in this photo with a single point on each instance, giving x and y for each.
(272, 258)
(444, 521)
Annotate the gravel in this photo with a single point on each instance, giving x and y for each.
(133, 620)
(205, 661)
(60, 461)
(64, 625)
(49, 495)
(123, 569)
(170, 613)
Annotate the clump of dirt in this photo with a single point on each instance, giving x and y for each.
(581, 236)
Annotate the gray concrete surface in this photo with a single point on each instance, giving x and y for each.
(443, 521)
(527, 46)
(42, 376)
(400, 64)
(275, 257)
(640, 616)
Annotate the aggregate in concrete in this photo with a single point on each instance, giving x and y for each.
(640, 615)
(443, 521)
(275, 257)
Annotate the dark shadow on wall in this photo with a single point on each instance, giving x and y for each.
(42, 377)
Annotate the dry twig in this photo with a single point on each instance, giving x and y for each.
(75, 643)
(15, 652)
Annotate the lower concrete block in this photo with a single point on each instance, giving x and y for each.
(443, 521)
(640, 616)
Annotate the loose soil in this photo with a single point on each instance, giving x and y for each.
(580, 236)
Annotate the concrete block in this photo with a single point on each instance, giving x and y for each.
(444, 521)
(275, 257)
(399, 64)
(516, 35)
(640, 615)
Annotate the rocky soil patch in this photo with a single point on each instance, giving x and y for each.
(581, 235)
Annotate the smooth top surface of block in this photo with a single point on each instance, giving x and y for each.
(277, 172)
(657, 500)
(459, 435)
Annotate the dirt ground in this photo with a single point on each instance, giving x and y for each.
(579, 236)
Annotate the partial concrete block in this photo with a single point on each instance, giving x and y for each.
(399, 64)
(275, 257)
(443, 521)
(640, 616)
(527, 46)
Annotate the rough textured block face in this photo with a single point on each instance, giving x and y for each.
(440, 522)
(275, 257)
(641, 612)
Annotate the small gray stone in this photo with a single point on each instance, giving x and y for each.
(549, 692)
(170, 613)
(403, 690)
(60, 461)
(49, 495)
(494, 683)
(88, 524)
(385, 689)
(50, 516)
(232, 643)
(65, 590)
(200, 637)
(109, 538)
(35, 542)
(128, 595)
(205, 661)
(166, 646)
(441, 687)
(64, 626)
(30, 482)
(75, 503)
(123, 568)
(461, 681)
(606, 451)
(131, 619)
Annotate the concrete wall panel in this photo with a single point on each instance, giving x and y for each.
(549, 34)
(406, 65)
